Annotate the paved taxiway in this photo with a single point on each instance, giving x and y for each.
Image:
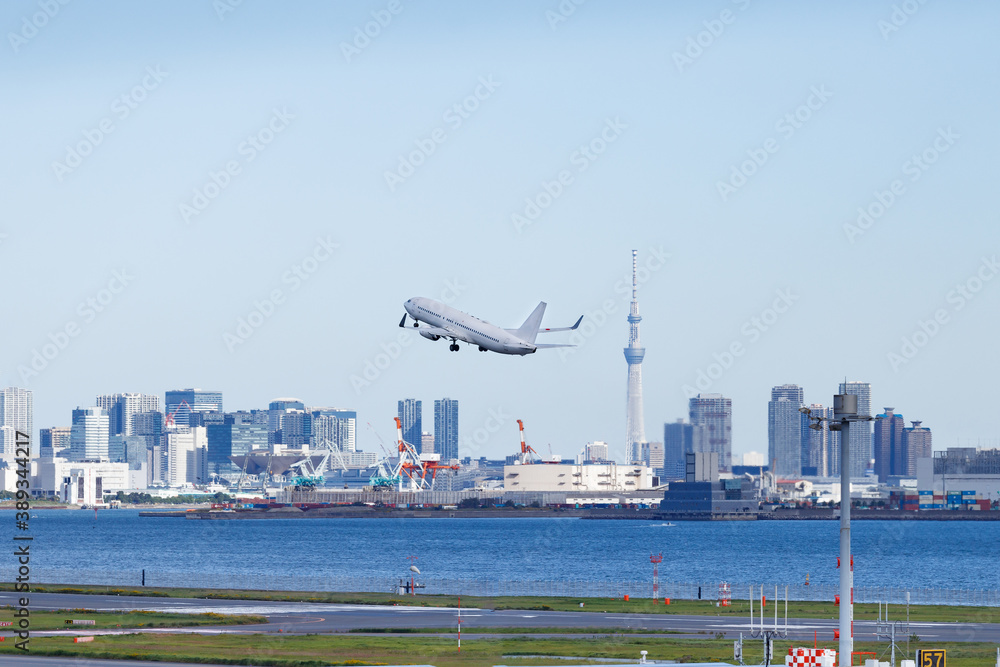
(300, 617)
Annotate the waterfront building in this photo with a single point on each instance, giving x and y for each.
(578, 478)
(53, 440)
(713, 413)
(635, 429)
(753, 459)
(445, 429)
(784, 431)
(916, 446)
(85, 482)
(861, 432)
(411, 418)
(89, 435)
(178, 404)
(16, 414)
(334, 427)
(122, 408)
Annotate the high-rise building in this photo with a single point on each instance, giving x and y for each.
(149, 426)
(820, 447)
(411, 419)
(426, 443)
(89, 435)
(187, 454)
(16, 415)
(334, 427)
(784, 431)
(446, 428)
(753, 459)
(861, 432)
(276, 410)
(178, 404)
(635, 429)
(52, 441)
(121, 409)
(714, 414)
(888, 445)
(596, 451)
(236, 436)
(916, 445)
(680, 438)
(652, 456)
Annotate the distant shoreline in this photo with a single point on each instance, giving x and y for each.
(351, 512)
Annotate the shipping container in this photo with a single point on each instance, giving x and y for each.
(968, 493)
(925, 493)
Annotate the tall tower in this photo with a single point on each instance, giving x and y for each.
(635, 431)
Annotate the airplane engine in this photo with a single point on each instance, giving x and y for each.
(429, 336)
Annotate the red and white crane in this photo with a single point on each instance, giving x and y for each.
(526, 450)
(415, 467)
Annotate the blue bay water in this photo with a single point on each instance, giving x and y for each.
(954, 554)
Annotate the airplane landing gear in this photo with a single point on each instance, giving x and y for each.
(416, 324)
(453, 347)
(482, 349)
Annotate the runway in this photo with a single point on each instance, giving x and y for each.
(300, 617)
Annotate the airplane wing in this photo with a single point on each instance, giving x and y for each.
(572, 328)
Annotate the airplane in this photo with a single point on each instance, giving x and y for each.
(447, 322)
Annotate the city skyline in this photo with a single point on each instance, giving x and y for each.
(161, 277)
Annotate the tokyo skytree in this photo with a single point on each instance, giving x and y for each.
(635, 431)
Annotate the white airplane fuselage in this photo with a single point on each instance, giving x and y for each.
(469, 329)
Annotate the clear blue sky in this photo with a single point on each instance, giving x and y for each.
(198, 81)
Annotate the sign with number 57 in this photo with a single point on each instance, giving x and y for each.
(932, 657)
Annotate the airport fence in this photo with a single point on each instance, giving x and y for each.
(493, 588)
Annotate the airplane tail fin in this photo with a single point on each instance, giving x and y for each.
(529, 329)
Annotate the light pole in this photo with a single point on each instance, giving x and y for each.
(845, 411)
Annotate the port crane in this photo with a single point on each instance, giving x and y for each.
(415, 467)
(526, 450)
